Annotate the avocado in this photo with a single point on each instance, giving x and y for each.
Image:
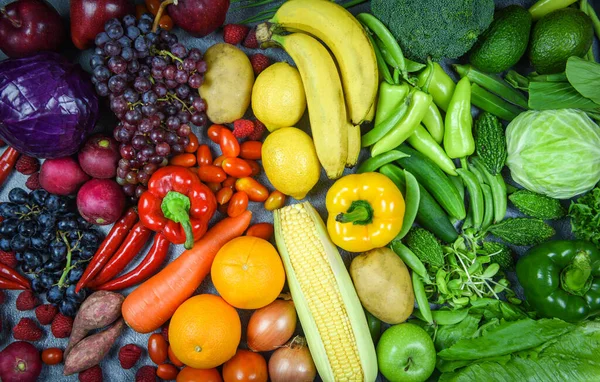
(504, 42)
(557, 36)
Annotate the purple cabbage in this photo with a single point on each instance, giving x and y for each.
(47, 105)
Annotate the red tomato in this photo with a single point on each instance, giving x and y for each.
(210, 173)
(203, 155)
(183, 160)
(230, 182)
(230, 147)
(52, 356)
(219, 161)
(167, 372)
(262, 230)
(214, 133)
(192, 146)
(237, 204)
(274, 201)
(251, 150)
(152, 6)
(189, 374)
(256, 191)
(166, 22)
(255, 167)
(214, 187)
(245, 366)
(173, 358)
(236, 167)
(157, 348)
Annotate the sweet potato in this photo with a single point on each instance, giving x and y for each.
(91, 350)
(100, 309)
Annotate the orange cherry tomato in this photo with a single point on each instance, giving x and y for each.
(183, 160)
(236, 167)
(192, 147)
(230, 182)
(255, 167)
(157, 348)
(251, 150)
(245, 366)
(262, 230)
(189, 374)
(238, 204)
(52, 356)
(166, 22)
(173, 358)
(275, 200)
(140, 9)
(256, 191)
(203, 155)
(153, 6)
(230, 147)
(214, 187)
(210, 173)
(224, 195)
(214, 133)
(167, 372)
(219, 161)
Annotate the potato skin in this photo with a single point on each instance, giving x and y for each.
(383, 285)
(227, 83)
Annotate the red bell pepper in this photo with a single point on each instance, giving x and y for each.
(177, 204)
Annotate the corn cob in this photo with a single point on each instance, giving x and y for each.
(327, 304)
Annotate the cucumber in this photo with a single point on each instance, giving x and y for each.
(433, 179)
(429, 215)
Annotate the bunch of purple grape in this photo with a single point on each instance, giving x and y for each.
(151, 81)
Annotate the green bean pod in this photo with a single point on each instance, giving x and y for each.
(460, 186)
(543, 7)
(412, 198)
(488, 206)
(421, 297)
(434, 123)
(424, 143)
(386, 37)
(498, 188)
(475, 195)
(374, 163)
(410, 259)
(441, 86)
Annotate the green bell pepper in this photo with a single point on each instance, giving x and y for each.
(562, 279)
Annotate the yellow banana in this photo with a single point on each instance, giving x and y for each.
(347, 40)
(324, 97)
(353, 145)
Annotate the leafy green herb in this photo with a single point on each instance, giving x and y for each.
(537, 205)
(522, 231)
(490, 142)
(585, 217)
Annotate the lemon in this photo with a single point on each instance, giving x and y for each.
(278, 98)
(290, 161)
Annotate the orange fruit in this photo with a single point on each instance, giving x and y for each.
(248, 273)
(189, 374)
(205, 331)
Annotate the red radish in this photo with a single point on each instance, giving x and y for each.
(62, 176)
(101, 201)
(99, 157)
(20, 361)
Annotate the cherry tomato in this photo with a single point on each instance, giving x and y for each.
(192, 146)
(52, 356)
(157, 348)
(230, 182)
(140, 9)
(167, 372)
(275, 200)
(152, 6)
(219, 161)
(255, 167)
(230, 147)
(166, 22)
(173, 358)
(214, 187)
(203, 155)
(214, 133)
(251, 150)
(223, 208)
(262, 230)
(256, 191)
(210, 173)
(245, 366)
(189, 374)
(224, 195)
(237, 204)
(236, 167)
(183, 160)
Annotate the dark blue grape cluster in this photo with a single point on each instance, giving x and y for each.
(51, 241)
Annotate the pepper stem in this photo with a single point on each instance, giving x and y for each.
(576, 277)
(359, 213)
(176, 207)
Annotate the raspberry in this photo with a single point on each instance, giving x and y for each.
(129, 355)
(146, 374)
(8, 258)
(259, 63)
(234, 33)
(27, 330)
(27, 300)
(45, 313)
(27, 165)
(61, 326)
(250, 40)
(93, 374)
(165, 331)
(259, 130)
(242, 128)
(33, 182)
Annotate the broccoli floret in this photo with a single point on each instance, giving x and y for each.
(435, 28)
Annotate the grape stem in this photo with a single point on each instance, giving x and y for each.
(167, 53)
(160, 12)
(67, 268)
(173, 96)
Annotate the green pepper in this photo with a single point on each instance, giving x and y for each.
(441, 86)
(562, 279)
(423, 142)
(458, 131)
(391, 97)
(434, 123)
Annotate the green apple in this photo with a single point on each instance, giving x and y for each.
(405, 353)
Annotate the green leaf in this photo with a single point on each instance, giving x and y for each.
(585, 77)
(557, 95)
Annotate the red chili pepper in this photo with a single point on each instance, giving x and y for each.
(14, 276)
(133, 244)
(7, 162)
(108, 247)
(148, 267)
(9, 284)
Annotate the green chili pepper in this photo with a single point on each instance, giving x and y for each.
(543, 7)
(488, 206)
(498, 188)
(381, 64)
(460, 186)
(373, 163)
(491, 103)
(458, 130)
(391, 97)
(421, 297)
(406, 127)
(434, 123)
(422, 141)
(475, 195)
(412, 198)
(386, 125)
(409, 258)
(441, 86)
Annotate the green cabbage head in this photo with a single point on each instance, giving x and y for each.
(554, 152)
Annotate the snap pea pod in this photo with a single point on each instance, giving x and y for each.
(410, 259)
(478, 174)
(475, 195)
(460, 186)
(449, 317)
(422, 141)
(488, 206)
(498, 188)
(381, 64)
(386, 37)
(434, 123)
(374, 326)
(374, 163)
(411, 66)
(382, 129)
(412, 197)
(421, 297)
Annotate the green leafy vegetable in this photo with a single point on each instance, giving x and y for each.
(536, 205)
(522, 231)
(585, 217)
(584, 76)
(557, 95)
(490, 143)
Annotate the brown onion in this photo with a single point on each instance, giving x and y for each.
(292, 363)
(271, 326)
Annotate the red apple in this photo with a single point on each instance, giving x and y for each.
(199, 17)
(28, 27)
(88, 18)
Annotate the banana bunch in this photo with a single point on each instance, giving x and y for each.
(338, 102)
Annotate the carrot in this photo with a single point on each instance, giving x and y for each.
(154, 302)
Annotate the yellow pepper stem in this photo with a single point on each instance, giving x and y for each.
(359, 213)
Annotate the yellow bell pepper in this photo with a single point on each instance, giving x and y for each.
(365, 211)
